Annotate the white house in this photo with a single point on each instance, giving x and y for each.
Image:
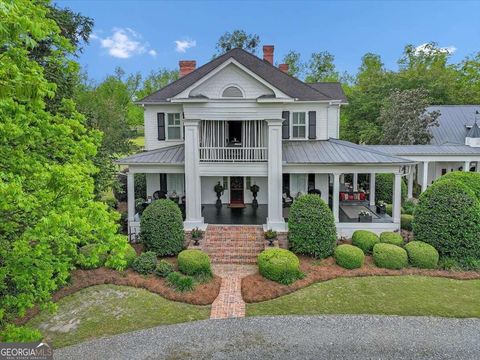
(238, 121)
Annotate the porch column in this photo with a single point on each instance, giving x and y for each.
(466, 166)
(193, 199)
(372, 189)
(425, 176)
(410, 183)
(397, 198)
(355, 182)
(478, 166)
(275, 219)
(130, 196)
(336, 197)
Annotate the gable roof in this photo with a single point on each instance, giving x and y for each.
(474, 132)
(453, 122)
(282, 81)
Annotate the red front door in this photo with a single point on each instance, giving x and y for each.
(236, 190)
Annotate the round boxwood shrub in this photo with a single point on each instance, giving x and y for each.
(279, 265)
(163, 269)
(390, 256)
(161, 228)
(349, 257)
(448, 218)
(391, 238)
(145, 263)
(384, 188)
(311, 227)
(406, 222)
(92, 256)
(422, 255)
(470, 179)
(194, 262)
(365, 240)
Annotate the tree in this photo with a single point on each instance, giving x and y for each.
(321, 68)
(405, 118)
(237, 39)
(47, 210)
(155, 81)
(295, 66)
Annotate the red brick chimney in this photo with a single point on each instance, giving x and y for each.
(268, 53)
(187, 66)
(283, 67)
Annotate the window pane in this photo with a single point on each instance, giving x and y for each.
(301, 131)
(301, 118)
(174, 133)
(295, 118)
(295, 132)
(170, 119)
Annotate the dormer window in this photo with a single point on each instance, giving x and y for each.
(232, 92)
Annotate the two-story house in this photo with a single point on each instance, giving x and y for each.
(240, 121)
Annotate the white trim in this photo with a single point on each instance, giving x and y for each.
(231, 97)
(180, 126)
(292, 126)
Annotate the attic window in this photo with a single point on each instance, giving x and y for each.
(232, 92)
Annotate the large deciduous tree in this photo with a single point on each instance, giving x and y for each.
(321, 68)
(237, 39)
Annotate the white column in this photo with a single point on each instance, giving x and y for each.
(397, 198)
(193, 189)
(130, 196)
(336, 197)
(425, 176)
(372, 189)
(410, 183)
(275, 219)
(478, 166)
(355, 182)
(466, 166)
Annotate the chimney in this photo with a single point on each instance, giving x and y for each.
(283, 67)
(268, 53)
(187, 66)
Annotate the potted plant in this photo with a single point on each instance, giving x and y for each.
(381, 207)
(254, 189)
(218, 188)
(271, 236)
(364, 216)
(197, 235)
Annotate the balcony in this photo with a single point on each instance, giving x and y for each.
(233, 154)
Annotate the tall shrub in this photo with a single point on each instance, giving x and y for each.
(161, 228)
(469, 179)
(448, 218)
(311, 227)
(384, 188)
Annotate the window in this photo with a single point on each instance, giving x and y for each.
(299, 125)
(225, 182)
(232, 91)
(173, 126)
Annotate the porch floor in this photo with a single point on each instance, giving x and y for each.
(235, 216)
(376, 218)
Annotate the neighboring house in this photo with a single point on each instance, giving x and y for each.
(240, 121)
(455, 145)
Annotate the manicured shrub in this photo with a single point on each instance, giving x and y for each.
(365, 240)
(161, 228)
(92, 256)
(422, 255)
(130, 255)
(408, 207)
(194, 262)
(384, 188)
(390, 256)
(349, 257)
(468, 263)
(145, 263)
(391, 238)
(470, 179)
(180, 282)
(163, 269)
(448, 218)
(13, 333)
(279, 265)
(406, 222)
(389, 209)
(311, 227)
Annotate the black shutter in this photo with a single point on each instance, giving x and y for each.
(286, 125)
(183, 126)
(161, 126)
(312, 124)
(163, 183)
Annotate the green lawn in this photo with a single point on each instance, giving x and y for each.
(394, 295)
(139, 141)
(109, 309)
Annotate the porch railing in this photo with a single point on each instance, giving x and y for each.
(233, 154)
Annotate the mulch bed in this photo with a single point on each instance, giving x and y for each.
(256, 288)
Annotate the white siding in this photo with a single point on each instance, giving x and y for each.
(210, 197)
(333, 121)
(262, 196)
(151, 129)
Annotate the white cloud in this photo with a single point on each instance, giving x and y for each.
(183, 45)
(124, 43)
(428, 49)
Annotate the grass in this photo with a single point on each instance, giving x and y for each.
(385, 295)
(139, 141)
(109, 309)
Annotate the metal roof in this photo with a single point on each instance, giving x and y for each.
(405, 150)
(453, 122)
(171, 155)
(474, 132)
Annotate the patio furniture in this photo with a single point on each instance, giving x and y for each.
(353, 196)
(315, 191)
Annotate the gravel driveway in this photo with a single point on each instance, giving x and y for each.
(293, 337)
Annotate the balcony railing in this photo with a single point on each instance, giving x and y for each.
(233, 154)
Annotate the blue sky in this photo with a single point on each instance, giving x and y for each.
(148, 35)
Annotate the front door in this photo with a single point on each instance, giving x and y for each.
(236, 190)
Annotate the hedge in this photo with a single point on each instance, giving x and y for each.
(279, 265)
(365, 240)
(311, 227)
(194, 262)
(145, 263)
(391, 238)
(390, 256)
(349, 256)
(422, 255)
(161, 228)
(384, 188)
(470, 179)
(448, 218)
(406, 222)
